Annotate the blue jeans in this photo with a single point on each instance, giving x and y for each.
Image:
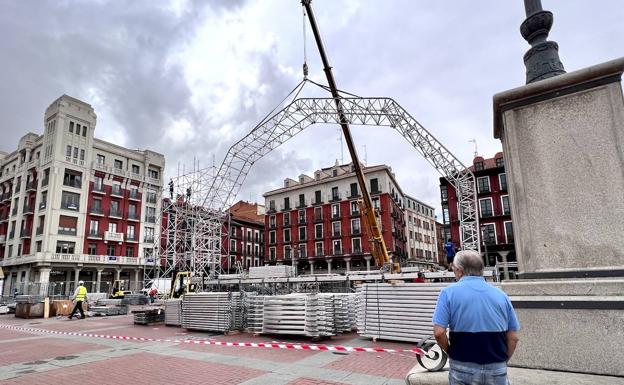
(469, 373)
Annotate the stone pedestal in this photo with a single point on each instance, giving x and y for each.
(563, 141)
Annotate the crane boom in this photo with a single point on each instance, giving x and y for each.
(378, 246)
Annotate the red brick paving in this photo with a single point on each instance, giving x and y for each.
(273, 355)
(33, 350)
(8, 334)
(142, 369)
(387, 365)
(312, 381)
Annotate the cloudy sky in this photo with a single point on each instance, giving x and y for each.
(189, 78)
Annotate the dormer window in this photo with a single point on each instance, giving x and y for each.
(478, 166)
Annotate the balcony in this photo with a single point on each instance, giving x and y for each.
(50, 258)
(302, 220)
(73, 206)
(95, 234)
(356, 231)
(150, 219)
(112, 213)
(134, 217)
(116, 191)
(96, 211)
(375, 191)
(151, 198)
(301, 205)
(319, 254)
(42, 205)
(28, 209)
(72, 183)
(337, 251)
(271, 210)
(67, 231)
(336, 234)
(487, 214)
(132, 238)
(99, 189)
(113, 237)
(335, 197)
(317, 202)
(148, 239)
(6, 197)
(31, 186)
(355, 213)
(357, 250)
(335, 215)
(39, 231)
(134, 195)
(285, 207)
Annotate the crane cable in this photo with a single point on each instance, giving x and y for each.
(305, 50)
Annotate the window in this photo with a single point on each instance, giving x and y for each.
(118, 164)
(114, 209)
(70, 201)
(110, 250)
(301, 200)
(318, 214)
(287, 252)
(136, 169)
(374, 186)
(39, 243)
(132, 211)
(112, 227)
(130, 252)
(272, 237)
(84, 131)
(302, 233)
(334, 172)
(356, 245)
(96, 206)
(149, 234)
(444, 193)
(500, 162)
(505, 204)
(92, 249)
(318, 249)
(130, 235)
(151, 196)
(336, 229)
(302, 216)
(478, 166)
(337, 247)
(354, 190)
(150, 214)
(335, 209)
(483, 184)
(287, 203)
(317, 197)
(152, 174)
(72, 178)
(355, 209)
(272, 205)
(232, 245)
(75, 152)
(286, 235)
(334, 194)
(98, 183)
(286, 219)
(272, 221)
(68, 151)
(376, 204)
(502, 181)
(445, 215)
(489, 233)
(71, 127)
(94, 227)
(65, 247)
(46, 177)
(318, 231)
(77, 129)
(301, 250)
(355, 226)
(67, 225)
(509, 237)
(486, 207)
(82, 154)
(272, 253)
(101, 159)
(44, 200)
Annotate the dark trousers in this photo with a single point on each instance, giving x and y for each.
(77, 306)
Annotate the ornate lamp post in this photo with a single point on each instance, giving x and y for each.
(542, 60)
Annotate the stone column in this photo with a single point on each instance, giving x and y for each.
(44, 279)
(136, 280)
(562, 139)
(503, 255)
(329, 263)
(348, 262)
(77, 271)
(311, 267)
(368, 259)
(67, 281)
(99, 279)
(117, 274)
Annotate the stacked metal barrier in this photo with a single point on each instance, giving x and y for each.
(218, 311)
(271, 271)
(135, 299)
(255, 312)
(173, 312)
(399, 312)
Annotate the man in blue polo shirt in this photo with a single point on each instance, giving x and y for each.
(482, 322)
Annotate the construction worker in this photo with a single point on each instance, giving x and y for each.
(80, 295)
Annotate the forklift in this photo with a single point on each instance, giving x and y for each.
(118, 290)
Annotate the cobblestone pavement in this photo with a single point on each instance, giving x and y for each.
(31, 358)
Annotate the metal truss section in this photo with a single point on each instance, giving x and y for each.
(303, 112)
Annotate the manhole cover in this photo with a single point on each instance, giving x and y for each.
(64, 358)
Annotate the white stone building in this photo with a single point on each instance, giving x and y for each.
(421, 231)
(73, 207)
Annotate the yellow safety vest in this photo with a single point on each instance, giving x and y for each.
(82, 293)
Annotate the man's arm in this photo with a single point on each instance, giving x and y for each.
(440, 335)
(512, 341)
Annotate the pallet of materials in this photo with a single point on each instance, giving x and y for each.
(61, 307)
(135, 299)
(149, 317)
(309, 315)
(255, 312)
(29, 310)
(216, 311)
(109, 310)
(108, 302)
(399, 312)
(173, 312)
(279, 271)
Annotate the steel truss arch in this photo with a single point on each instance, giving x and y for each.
(303, 112)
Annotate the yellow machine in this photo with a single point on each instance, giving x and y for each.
(118, 290)
(181, 284)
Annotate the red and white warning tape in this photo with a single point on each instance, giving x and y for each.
(268, 345)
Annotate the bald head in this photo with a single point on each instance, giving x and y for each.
(470, 262)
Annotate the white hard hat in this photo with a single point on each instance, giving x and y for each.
(81, 282)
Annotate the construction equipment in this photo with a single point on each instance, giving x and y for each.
(378, 246)
(118, 290)
(181, 284)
